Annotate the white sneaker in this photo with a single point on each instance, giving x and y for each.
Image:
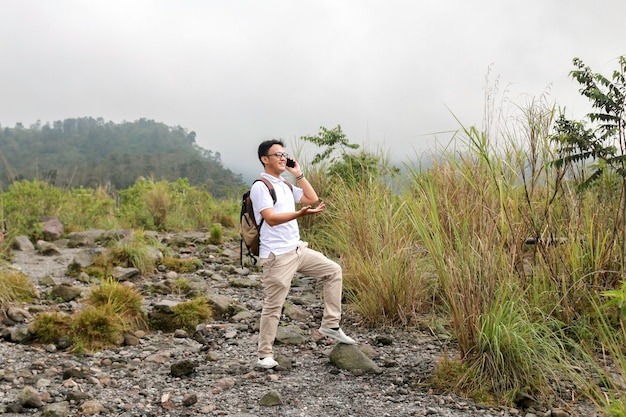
(337, 335)
(267, 363)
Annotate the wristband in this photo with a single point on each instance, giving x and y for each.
(299, 177)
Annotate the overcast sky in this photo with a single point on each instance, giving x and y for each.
(392, 73)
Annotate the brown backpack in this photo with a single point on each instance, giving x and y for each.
(250, 231)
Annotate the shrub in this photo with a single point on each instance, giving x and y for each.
(181, 265)
(15, 287)
(134, 252)
(124, 300)
(50, 327)
(191, 313)
(96, 327)
(157, 202)
(179, 286)
(216, 234)
(26, 202)
(165, 206)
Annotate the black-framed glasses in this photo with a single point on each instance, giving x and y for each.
(279, 155)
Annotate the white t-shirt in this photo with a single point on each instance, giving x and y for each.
(284, 237)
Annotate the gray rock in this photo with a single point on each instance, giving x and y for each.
(23, 243)
(243, 283)
(84, 258)
(182, 368)
(66, 292)
(84, 238)
(165, 306)
(61, 409)
(51, 228)
(21, 334)
(296, 313)
(30, 398)
(271, 399)
(242, 316)
(349, 357)
(190, 399)
(91, 407)
(116, 234)
(221, 304)
(124, 274)
(18, 315)
(159, 288)
(229, 253)
(131, 340)
(289, 335)
(84, 278)
(78, 396)
(47, 248)
(47, 281)
(197, 286)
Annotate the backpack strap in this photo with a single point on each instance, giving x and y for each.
(272, 191)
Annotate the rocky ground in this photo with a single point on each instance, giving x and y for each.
(213, 373)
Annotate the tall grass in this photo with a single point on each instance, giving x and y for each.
(385, 277)
(495, 236)
(610, 363)
(494, 216)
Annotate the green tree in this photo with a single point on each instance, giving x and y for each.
(342, 162)
(332, 140)
(604, 144)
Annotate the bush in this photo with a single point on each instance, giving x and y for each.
(50, 327)
(181, 265)
(124, 300)
(191, 313)
(96, 327)
(165, 206)
(386, 278)
(134, 252)
(15, 287)
(216, 234)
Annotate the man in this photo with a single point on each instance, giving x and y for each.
(282, 253)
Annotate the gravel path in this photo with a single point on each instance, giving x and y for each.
(137, 380)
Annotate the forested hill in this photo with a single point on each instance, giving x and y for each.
(90, 152)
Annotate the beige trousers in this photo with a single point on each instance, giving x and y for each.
(278, 271)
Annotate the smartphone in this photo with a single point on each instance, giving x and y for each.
(291, 163)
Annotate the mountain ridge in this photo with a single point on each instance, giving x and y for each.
(90, 152)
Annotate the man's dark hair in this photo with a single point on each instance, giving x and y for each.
(265, 146)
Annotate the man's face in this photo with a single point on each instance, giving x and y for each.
(276, 159)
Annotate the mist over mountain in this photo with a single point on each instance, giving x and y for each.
(89, 152)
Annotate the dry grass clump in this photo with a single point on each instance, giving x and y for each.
(186, 315)
(137, 252)
(181, 265)
(189, 314)
(96, 327)
(15, 287)
(50, 327)
(112, 309)
(125, 301)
